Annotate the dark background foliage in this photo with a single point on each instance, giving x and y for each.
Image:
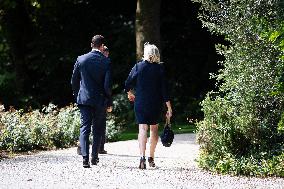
(47, 36)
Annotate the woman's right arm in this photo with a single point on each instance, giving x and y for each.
(130, 83)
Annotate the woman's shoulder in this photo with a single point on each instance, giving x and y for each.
(140, 62)
(145, 63)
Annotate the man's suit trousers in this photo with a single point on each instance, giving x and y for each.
(95, 118)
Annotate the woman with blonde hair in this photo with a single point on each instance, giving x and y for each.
(148, 80)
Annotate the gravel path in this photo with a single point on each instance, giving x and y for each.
(176, 168)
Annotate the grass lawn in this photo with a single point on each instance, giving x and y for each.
(131, 131)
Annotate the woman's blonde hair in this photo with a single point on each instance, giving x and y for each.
(151, 53)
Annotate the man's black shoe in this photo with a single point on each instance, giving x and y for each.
(86, 163)
(102, 152)
(94, 161)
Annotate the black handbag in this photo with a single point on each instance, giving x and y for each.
(167, 135)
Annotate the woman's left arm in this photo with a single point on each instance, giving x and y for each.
(165, 93)
(164, 85)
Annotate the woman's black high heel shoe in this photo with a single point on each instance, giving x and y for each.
(142, 164)
(151, 162)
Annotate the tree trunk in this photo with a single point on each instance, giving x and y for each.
(147, 25)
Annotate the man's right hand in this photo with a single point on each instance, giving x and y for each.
(109, 109)
(131, 96)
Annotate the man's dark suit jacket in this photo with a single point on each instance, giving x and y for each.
(91, 80)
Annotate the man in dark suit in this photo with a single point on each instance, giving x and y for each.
(91, 85)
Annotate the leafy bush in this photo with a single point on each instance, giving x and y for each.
(281, 124)
(38, 130)
(240, 133)
(48, 128)
(113, 129)
(16, 135)
(65, 125)
(122, 110)
(120, 118)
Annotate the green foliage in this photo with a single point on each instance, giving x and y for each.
(240, 132)
(16, 135)
(122, 110)
(281, 123)
(48, 128)
(251, 166)
(64, 125)
(113, 130)
(121, 117)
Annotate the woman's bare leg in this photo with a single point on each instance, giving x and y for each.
(142, 138)
(154, 137)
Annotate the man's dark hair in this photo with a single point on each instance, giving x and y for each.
(97, 41)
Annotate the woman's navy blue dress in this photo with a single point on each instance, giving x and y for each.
(149, 82)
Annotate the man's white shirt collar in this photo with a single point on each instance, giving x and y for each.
(96, 50)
